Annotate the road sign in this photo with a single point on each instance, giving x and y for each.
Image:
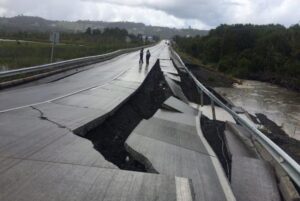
(54, 37)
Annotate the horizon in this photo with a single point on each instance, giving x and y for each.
(178, 28)
(198, 14)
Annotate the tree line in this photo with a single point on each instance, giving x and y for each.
(263, 52)
(17, 54)
(90, 36)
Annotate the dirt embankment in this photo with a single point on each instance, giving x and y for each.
(273, 131)
(213, 130)
(211, 77)
(277, 135)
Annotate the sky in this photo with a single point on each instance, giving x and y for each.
(199, 14)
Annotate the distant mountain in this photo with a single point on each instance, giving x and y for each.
(27, 23)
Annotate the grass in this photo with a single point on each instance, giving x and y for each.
(211, 67)
(15, 54)
(195, 61)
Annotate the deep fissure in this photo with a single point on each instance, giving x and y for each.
(110, 136)
(213, 130)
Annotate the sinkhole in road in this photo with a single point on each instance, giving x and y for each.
(110, 136)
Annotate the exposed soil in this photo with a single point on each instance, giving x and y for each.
(190, 90)
(109, 137)
(210, 77)
(213, 131)
(277, 135)
(274, 132)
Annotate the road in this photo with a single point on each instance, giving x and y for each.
(42, 159)
(97, 76)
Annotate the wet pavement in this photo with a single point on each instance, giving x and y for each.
(124, 67)
(41, 158)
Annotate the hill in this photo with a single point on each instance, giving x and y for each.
(28, 23)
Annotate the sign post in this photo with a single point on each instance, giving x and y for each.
(54, 38)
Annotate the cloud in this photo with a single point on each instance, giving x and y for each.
(202, 14)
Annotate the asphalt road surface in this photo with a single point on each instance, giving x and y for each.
(99, 75)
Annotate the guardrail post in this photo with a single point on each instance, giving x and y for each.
(213, 109)
(290, 166)
(201, 97)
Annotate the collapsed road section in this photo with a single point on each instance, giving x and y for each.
(42, 159)
(139, 136)
(110, 136)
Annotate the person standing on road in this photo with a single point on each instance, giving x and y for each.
(148, 55)
(142, 55)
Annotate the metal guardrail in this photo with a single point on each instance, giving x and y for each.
(291, 167)
(68, 63)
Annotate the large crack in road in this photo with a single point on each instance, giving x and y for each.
(109, 137)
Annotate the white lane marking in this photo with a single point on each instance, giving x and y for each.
(183, 189)
(64, 96)
(218, 168)
(69, 94)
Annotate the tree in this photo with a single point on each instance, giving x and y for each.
(88, 31)
(246, 50)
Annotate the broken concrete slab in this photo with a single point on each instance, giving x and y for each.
(169, 159)
(176, 117)
(167, 66)
(169, 70)
(238, 130)
(176, 90)
(288, 190)
(221, 114)
(174, 133)
(165, 63)
(43, 140)
(178, 64)
(36, 180)
(244, 135)
(236, 146)
(173, 77)
(177, 105)
(252, 179)
(167, 146)
(71, 149)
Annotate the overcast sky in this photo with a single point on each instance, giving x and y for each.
(201, 14)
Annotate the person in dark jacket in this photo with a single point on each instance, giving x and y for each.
(142, 55)
(148, 55)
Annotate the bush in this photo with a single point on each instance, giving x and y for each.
(246, 50)
(226, 64)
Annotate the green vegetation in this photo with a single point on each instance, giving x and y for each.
(262, 52)
(37, 24)
(19, 53)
